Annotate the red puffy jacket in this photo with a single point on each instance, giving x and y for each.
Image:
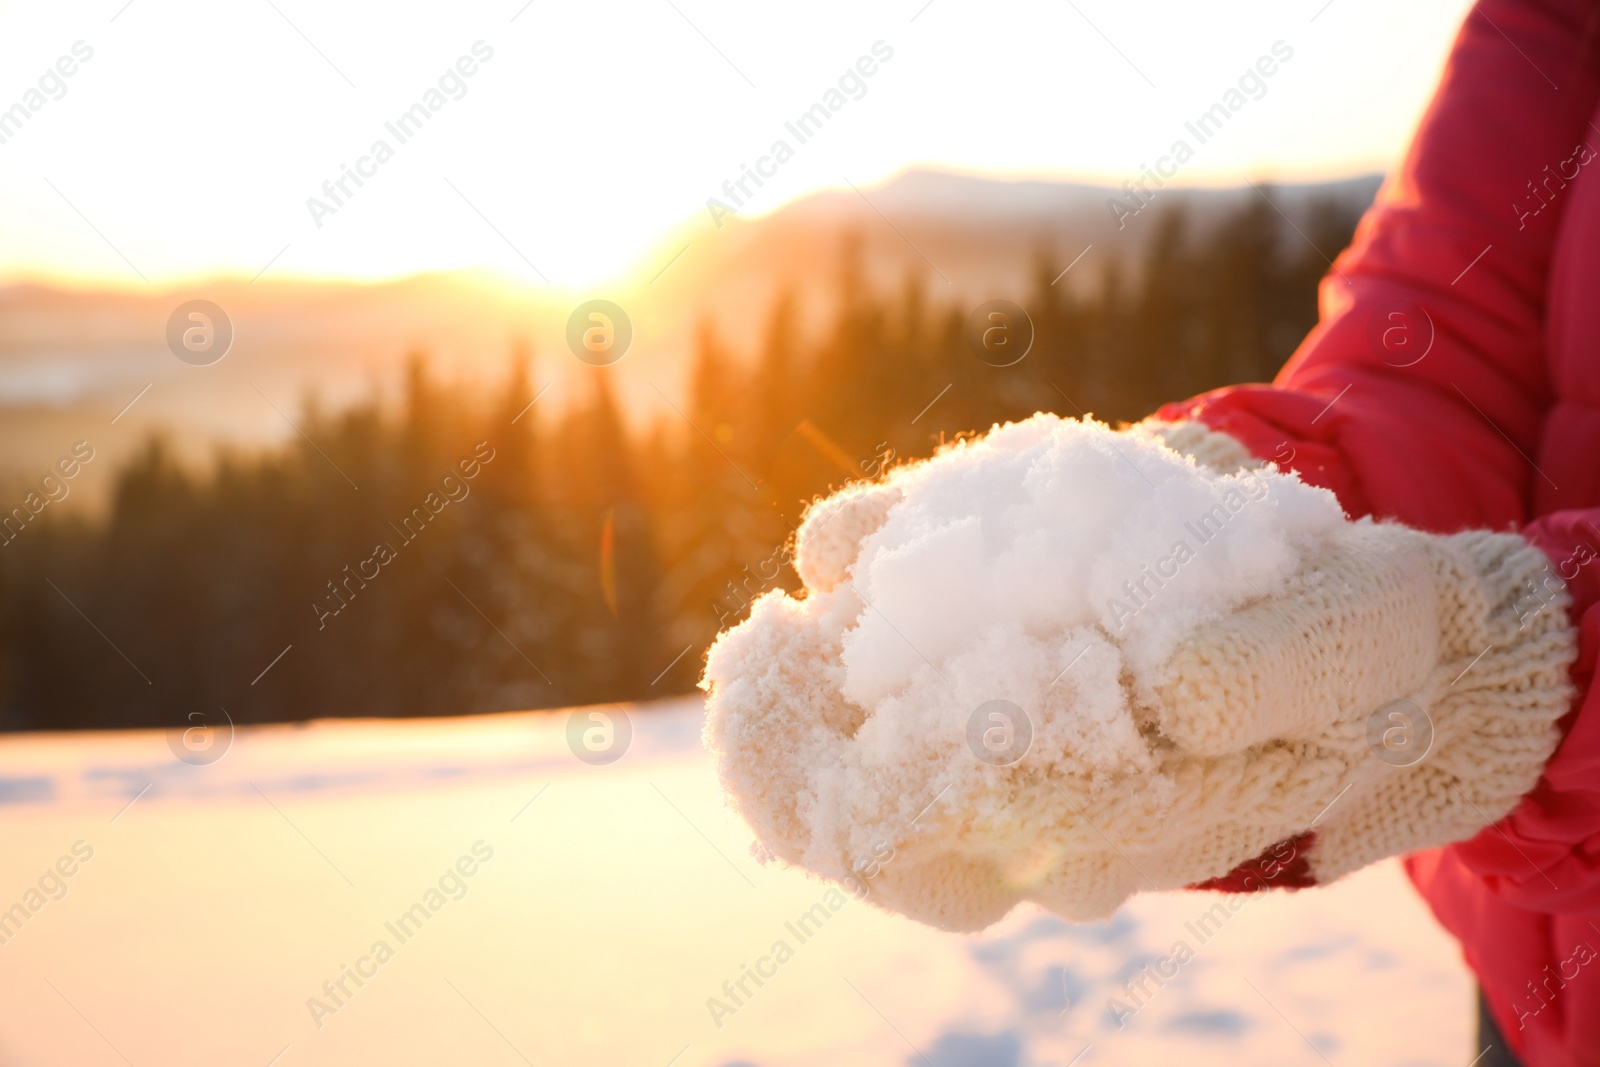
(1453, 382)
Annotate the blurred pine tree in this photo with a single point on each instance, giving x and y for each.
(578, 561)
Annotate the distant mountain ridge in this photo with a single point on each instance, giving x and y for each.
(933, 192)
(972, 237)
(70, 360)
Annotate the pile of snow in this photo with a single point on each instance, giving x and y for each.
(1051, 564)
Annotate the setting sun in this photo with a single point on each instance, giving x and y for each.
(193, 139)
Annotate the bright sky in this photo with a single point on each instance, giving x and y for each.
(189, 142)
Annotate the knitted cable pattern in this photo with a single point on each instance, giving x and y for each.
(1258, 728)
(1492, 700)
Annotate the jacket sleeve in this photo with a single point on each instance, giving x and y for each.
(1421, 392)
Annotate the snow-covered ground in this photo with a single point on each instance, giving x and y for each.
(605, 907)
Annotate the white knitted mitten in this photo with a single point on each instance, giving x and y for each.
(1434, 635)
(1392, 693)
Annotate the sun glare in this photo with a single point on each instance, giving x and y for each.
(571, 147)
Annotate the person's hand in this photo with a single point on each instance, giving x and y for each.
(1396, 696)
(1397, 690)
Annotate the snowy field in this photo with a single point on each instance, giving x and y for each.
(561, 913)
